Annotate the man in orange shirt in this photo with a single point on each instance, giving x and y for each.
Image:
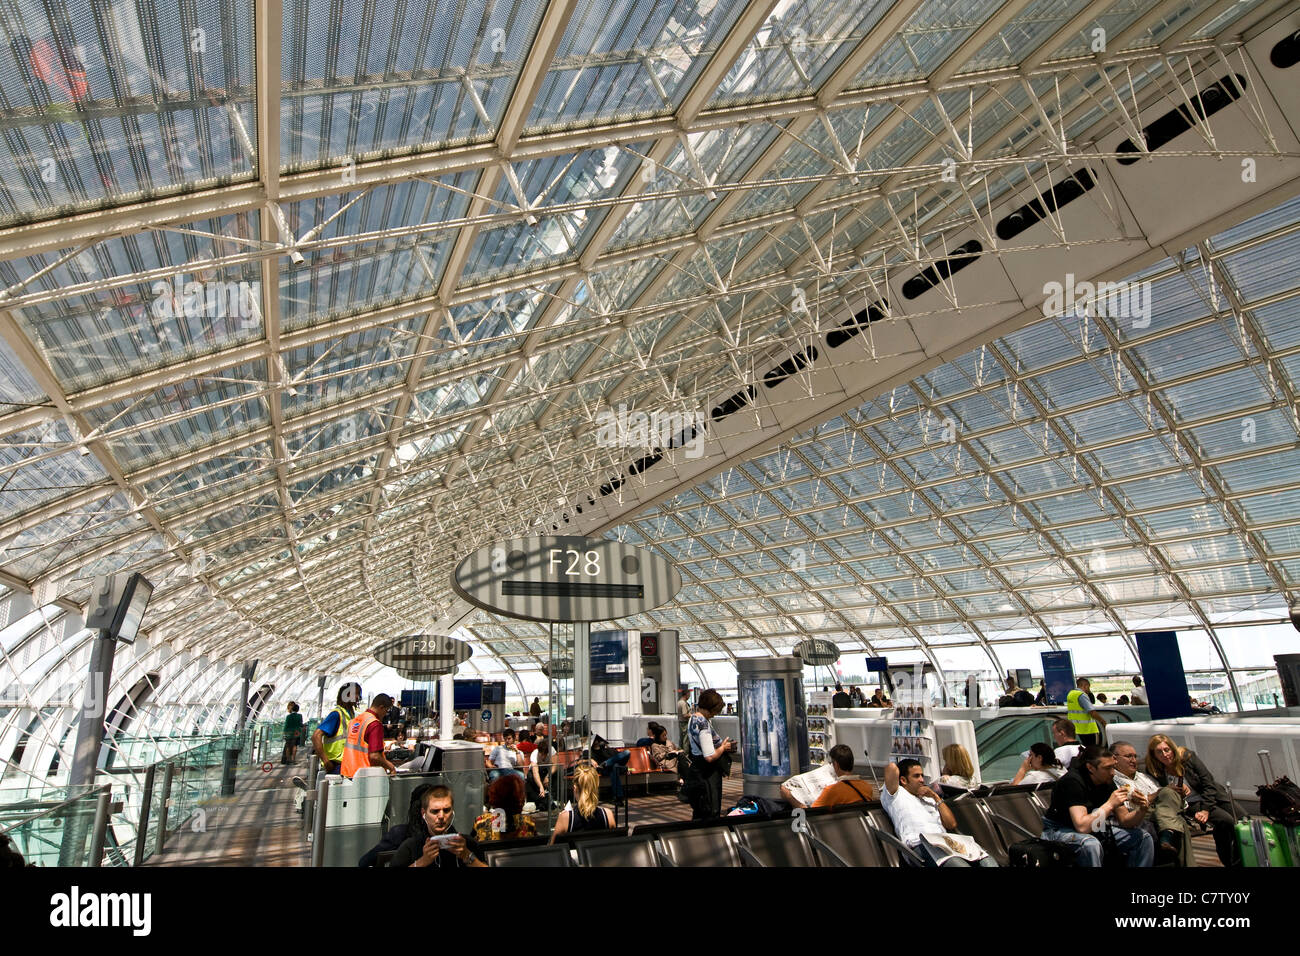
(365, 743)
(848, 786)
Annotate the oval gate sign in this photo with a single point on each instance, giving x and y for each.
(565, 579)
(818, 652)
(422, 656)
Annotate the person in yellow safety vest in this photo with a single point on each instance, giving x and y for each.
(1082, 712)
(365, 743)
(329, 738)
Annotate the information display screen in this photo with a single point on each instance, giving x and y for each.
(466, 695)
(609, 657)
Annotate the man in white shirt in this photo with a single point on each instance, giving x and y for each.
(1139, 696)
(1168, 826)
(1065, 742)
(916, 810)
(504, 757)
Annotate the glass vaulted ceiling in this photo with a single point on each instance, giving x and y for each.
(290, 328)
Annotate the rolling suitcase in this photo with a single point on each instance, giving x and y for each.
(1279, 800)
(1263, 843)
(1260, 844)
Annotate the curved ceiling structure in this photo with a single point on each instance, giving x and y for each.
(303, 302)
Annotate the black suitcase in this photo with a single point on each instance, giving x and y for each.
(1040, 853)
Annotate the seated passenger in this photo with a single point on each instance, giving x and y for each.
(540, 770)
(848, 786)
(612, 762)
(503, 818)
(398, 833)
(585, 813)
(1064, 740)
(504, 758)
(1165, 806)
(1040, 766)
(803, 789)
(1123, 701)
(527, 744)
(663, 753)
(917, 811)
(1207, 802)
(958, 771)
(436, 844)
(1083, 802)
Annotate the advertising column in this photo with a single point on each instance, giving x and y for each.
(773, 723)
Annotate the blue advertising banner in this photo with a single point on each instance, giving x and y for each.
(1058, 675)
(1163, 674)
(609, 657)
(764, 733)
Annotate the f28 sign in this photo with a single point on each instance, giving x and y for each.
(565, 578)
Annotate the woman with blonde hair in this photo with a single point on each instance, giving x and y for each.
(1208, 803)
(586, 813)
(957, 768)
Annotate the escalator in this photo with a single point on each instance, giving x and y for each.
(1003, 739)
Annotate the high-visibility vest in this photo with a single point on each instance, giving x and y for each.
(334, 744)
(356, 754)
(1083, 724)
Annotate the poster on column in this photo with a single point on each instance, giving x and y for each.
(764, 726)
(609, 657)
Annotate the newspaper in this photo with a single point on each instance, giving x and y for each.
(954, 844)
(807, 787)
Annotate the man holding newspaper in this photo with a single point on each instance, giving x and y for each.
(923, 821)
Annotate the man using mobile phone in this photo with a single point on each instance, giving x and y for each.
(442, 847)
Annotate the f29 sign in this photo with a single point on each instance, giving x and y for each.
(565, 578)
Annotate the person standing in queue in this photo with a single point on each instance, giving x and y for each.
(330, 737)
(710, 756)
(365, 741)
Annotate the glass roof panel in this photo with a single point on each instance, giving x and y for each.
(183, 309)
(169, 420)
(622, 58)
(932, 34)
(106, 109)
(798, 48)
(388, 77)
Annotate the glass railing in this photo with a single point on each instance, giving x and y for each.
(151, 788)
(59, 833)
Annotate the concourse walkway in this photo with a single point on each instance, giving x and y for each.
(255, 827)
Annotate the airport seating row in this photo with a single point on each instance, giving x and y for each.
(852, 835)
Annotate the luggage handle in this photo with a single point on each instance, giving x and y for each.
(1267, 768)
(1260, 838)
